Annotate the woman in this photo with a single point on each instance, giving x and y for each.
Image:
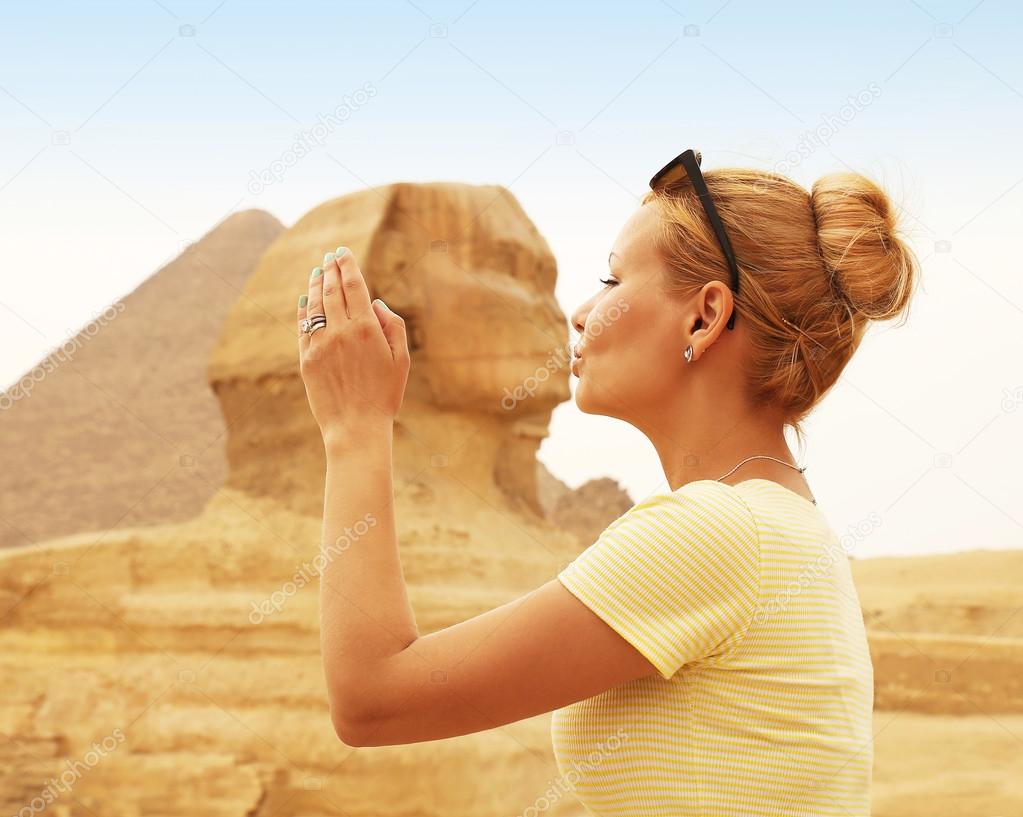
(707, 654)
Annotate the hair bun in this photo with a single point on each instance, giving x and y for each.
(870, 265)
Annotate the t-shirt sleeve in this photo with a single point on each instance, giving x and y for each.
(677, 576)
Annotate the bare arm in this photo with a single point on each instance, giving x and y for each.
(389, 685)
(386, 683)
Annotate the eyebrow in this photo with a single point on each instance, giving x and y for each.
(616, 255)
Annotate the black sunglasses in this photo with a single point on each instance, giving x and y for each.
(685, 165)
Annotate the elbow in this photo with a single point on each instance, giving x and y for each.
(350, 713)
(348, 720)
(363, 704)
(349, 732)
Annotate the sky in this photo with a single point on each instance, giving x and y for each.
(130, 129)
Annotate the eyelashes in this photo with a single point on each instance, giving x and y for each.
(608, 281)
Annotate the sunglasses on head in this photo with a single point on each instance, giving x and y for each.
(687, 165)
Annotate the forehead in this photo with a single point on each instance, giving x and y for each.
(636, 240)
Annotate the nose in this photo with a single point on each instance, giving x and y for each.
(579, 316)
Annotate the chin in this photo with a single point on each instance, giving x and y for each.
(584, 400)
(588, 400)
(579, 397)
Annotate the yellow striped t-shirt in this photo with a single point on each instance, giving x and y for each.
(742, 598)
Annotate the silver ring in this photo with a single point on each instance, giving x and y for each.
(318, 325)
(307, 324)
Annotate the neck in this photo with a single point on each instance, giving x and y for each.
(708, 448)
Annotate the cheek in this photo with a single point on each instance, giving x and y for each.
(612, 325)
(621, 348)
(626, 325)
(633, 344)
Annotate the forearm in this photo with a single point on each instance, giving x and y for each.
(365, 615)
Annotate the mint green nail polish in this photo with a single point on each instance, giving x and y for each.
(340, 251)
(317, 272)
(328, 258)
(302, 300)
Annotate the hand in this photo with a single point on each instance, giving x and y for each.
(355, 368)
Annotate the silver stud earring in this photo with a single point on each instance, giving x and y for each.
(689, 353)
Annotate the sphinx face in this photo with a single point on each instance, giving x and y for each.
(462, 264)
(485, 330)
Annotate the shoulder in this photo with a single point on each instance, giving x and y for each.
(706, 504)
(701, 522)
(678, 573)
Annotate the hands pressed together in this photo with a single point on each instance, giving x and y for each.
(355, 366)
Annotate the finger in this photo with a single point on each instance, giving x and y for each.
(353, 284)
(315, 304)
(394, 330)
(303, 336)
(333, 298)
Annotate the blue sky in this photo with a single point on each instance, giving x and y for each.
(129, 129)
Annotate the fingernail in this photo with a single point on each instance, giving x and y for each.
(317, 272)
(340, 251)
(328, 258)
(302, 300)
(381, 302)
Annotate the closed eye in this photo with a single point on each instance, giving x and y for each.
(608, 281)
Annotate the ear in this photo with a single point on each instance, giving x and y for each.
(711, 307)
(714, 304)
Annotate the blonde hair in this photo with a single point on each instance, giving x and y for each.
(814, 268)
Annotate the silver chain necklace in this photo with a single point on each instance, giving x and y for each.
(767, 457)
